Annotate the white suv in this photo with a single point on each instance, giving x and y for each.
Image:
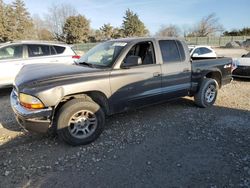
(14, 55)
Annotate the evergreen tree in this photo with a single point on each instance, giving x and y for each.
(117, 33)
(9, 23)
(2, 28)
(107, 31)
(132, 25)
(23, 27)
(242, 32)
(76, 29)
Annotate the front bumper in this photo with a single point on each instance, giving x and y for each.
(242, 71)
(33, 120)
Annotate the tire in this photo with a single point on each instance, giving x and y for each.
(206, 96)
(80, 122)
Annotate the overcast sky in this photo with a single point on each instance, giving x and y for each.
(154, 13)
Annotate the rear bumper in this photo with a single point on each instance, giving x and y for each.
(32, 120)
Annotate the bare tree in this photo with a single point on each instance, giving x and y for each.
(168, 31)
(41, 28)
(209, 25)
(57, 16)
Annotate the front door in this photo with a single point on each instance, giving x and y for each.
(139, 85)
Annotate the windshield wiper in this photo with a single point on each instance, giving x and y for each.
(91, 65)
(87, 64)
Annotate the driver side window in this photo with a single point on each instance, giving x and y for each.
(145, 51)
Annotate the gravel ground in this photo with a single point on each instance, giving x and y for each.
(231, 52)
(174, 144)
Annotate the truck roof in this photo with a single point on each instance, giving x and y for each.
(138, 39)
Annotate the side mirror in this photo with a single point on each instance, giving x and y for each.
(195, 55)
(244, 55)
(131, 61)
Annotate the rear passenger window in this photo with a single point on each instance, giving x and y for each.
(59, 49)
(52, 50)
(169, 51)
(205, 51)
(38, 50)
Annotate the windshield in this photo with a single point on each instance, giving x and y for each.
(103, 54)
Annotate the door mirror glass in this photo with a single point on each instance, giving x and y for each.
(131, 61)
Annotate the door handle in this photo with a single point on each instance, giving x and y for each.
(186, 70)
(156, 74)
(53, 61)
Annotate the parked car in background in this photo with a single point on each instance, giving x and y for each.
(201, 52)
(14, 55)
(242, 66)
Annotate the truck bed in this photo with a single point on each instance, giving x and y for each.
(221, 66)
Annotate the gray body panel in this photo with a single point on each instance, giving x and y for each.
(133, 87)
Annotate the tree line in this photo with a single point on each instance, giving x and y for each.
(241, 32)
(64, 23)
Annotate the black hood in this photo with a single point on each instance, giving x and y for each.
(38, 73)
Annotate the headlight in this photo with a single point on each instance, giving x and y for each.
(30, 102)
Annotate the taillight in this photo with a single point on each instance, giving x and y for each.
(76, 57)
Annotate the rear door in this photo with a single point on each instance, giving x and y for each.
(139, 85)
(176, 69)
(64, 54)
(11, 61)
(39, 53)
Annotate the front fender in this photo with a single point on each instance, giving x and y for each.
(53, 96)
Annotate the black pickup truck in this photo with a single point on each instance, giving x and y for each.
(113, 77)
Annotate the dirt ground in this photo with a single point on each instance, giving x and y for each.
(174, 144)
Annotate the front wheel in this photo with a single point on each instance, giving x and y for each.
(80, 121)
(206, 96)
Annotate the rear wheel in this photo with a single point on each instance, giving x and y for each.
(80, 121)
(206, 96)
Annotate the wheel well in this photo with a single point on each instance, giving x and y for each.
(100, 99)
(96, 96)
(216, 76)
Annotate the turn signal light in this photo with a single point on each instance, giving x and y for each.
(30, 102)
